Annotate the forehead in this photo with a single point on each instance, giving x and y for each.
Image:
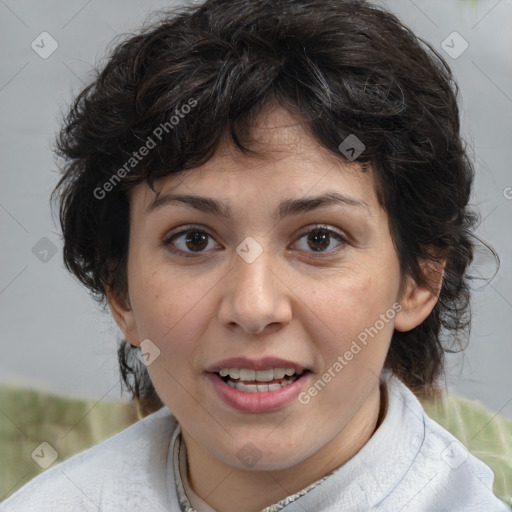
(287, 162)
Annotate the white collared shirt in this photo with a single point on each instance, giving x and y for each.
(410, 464)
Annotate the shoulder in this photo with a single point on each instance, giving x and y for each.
(443, 474)
(116, 471)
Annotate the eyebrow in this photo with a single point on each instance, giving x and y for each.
(287, 208)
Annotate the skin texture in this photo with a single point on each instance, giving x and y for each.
(292, 302)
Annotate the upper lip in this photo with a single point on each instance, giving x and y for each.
(254, 364)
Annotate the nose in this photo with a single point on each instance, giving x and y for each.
(256, 298)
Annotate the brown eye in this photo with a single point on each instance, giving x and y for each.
(320, 239)
(196, 240)
(188, 242)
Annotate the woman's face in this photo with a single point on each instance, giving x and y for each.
(268, 267)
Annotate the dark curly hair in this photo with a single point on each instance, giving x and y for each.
(339, 67)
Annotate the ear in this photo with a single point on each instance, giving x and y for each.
(123, 315)
(417, 300)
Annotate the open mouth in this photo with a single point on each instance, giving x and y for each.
(258, 386)
(259, 381)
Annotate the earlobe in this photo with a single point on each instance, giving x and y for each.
(419, 300)
(123, 315)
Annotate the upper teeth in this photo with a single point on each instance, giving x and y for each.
(259, 375)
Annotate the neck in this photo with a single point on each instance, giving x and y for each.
(251, 491)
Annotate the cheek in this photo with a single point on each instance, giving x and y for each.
(170, 313)
(173, 310)
(354, 300)
(160, 302)
(349, 311)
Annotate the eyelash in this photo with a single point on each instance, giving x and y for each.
(168, 241)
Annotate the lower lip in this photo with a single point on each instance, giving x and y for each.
(264, 401)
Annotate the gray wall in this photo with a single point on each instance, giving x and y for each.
(54, 336)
